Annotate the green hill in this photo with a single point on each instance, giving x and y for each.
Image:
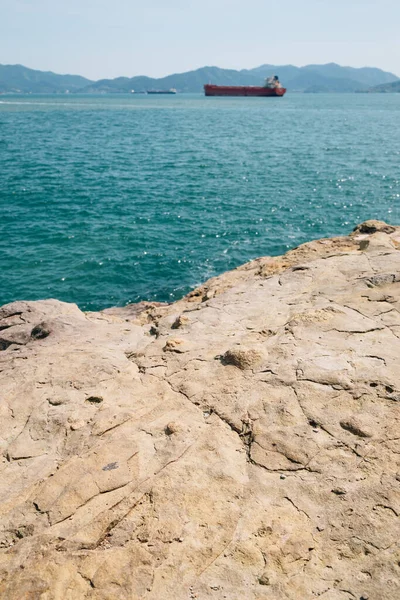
(386, 88)
(17, 78)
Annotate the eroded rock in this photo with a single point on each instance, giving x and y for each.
(254, 456)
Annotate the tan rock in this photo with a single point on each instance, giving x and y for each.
(243, 358)
(254, 456)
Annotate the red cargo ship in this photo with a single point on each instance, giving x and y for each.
(272, 87)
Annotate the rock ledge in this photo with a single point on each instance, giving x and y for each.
(242, 443)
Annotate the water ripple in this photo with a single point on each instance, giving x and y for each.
(107, 200)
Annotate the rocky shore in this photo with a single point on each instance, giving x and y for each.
(240, 444)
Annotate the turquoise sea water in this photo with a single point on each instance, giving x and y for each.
(106, 200)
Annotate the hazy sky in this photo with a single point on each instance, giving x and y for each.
(108, 38)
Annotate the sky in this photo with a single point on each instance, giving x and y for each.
(109, 38)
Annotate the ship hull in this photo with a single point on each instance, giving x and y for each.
(242, 90)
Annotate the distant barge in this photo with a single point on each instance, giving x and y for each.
(170, 91)
(272, 87)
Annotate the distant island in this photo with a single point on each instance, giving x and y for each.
(386, 88)
(309, 79)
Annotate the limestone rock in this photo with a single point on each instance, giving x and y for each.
(243, 358)
(373, 226)
(255, 455)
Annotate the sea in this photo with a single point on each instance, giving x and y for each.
(112, 199)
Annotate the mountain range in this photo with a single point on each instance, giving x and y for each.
(311, 78)
(16, 78)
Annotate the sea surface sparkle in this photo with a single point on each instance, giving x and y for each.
(106, 200)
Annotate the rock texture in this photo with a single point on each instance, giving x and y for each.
(242, 443)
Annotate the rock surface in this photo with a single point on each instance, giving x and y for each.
(242, 443)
